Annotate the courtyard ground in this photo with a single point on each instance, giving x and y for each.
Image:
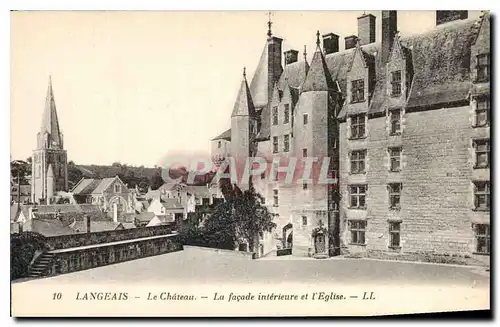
(207, 266)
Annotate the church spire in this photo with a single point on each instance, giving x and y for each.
(50, 122)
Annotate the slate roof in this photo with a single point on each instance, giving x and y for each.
(243, 106)
(50, 227)
(439, 58)
(171, 204)
(224, 136)
(88, 186)
(50, 123)
(318, 78)
(198, 191)
(95, 226)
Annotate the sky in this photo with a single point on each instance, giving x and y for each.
(135, 86)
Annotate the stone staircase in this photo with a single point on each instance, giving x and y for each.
(41, 265)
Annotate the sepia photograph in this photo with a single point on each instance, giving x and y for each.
(250, 163)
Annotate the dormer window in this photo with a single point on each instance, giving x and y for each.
(396, 83)
(286, 119)
(483, 67)
(275, 115)
(357, 91)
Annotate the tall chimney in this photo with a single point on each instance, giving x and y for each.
(366, 29)
(444, 16)
(330, 43)
(350, 41)
(291, 56)
(87, 221)
(389, 29)
(115, 212)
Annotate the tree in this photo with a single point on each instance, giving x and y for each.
(74, 174)
(252, 217)
(241, 216)
(22, 249)
(156, 181)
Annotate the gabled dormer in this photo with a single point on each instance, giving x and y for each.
(481, 52)
(360, 79)
(275, 106)
(481, 73)
(399, 74)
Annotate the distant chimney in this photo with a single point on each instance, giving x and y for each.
(87, 221)
(115, 212)
(389, 29)
(444, 16)
(291, 56)
(350, 41)
(366, 29)
(31, 212)
(330, 43)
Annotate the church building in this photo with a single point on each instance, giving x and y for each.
(50, 161)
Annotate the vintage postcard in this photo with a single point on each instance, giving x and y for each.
(250, 164)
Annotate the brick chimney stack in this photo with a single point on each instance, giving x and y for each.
(366, 29)
(330, 43)
(350, 41)
(389, 29)
(87, 221)
(445, 16)
(291, 56)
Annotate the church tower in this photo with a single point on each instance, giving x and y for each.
(49, 164)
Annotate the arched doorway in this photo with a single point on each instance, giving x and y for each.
(120, 203)
(287, 236)
(319, 238)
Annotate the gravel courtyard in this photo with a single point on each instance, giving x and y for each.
(206, 266)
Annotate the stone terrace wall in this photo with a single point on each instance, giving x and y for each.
(86, 258)
(76, 240)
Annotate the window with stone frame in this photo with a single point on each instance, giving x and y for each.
(482, 150)
(358, 161)
(286, 143)
(286, 118)
(482, 111)
(395, 195)
(275, 144)
(358, 126)
(275, 115)
(483, 240)
(396, 83)
(482, 195)
(395, 159)
(304, 186)
(118, 188)
(304, 220)
(394, 234)
(395, 116)
(219, 144)
(304, 153)
(483, 67)
(305, 119)
(357, 196)
(357, 229)
(357, 91)
(275, 198)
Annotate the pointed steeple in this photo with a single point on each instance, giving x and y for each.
(244, 104)
(318, 77)
(50, 122)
